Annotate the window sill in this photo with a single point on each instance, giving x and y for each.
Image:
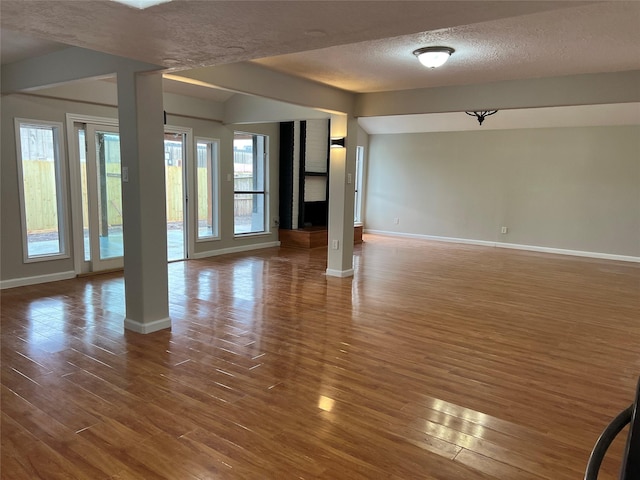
(256, 234)
(46, 258)
(208, 239)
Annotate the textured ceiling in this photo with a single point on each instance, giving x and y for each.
(193, 33)
(602, 37)
(360, 46)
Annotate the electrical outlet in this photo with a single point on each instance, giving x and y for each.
(349, 179)
(396, 221)
(504, 230)
(335, 244)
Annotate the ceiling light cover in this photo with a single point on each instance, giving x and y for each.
(141, 4)
(433, 57)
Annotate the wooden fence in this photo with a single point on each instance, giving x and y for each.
(40, 195)
(42, 210)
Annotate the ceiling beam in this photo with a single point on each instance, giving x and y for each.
(64, 66)
(253, 79)
(590, 89)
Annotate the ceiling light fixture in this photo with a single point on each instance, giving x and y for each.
(481, 114)
(141, 4)
(433, 57)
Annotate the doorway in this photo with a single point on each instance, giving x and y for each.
(175, 155)
(95, 170)
(101, 190)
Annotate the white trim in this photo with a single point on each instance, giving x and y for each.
(74, 176)
(215, 144)
(59, 168)
(207, 239)
(576, 253)
(75, 189)
(50, 277)
(97, 263)
(359, 185)
(266, 233)
(241, 248)
(147, 327)
(79, 118)
(430, 237)
(187, 187)
(266, 162)
(339, 273)
(514, 246)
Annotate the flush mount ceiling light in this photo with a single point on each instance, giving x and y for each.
(141, 4)
(433, 57)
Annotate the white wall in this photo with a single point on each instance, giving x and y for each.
(564, 188)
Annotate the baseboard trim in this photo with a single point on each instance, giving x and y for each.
(54, 277)
(22, 282)
(147, 327)
(339, 273)
(513, 246)
(238, 249)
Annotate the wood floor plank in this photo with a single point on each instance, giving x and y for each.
(435, 362)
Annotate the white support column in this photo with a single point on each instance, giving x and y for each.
(341, 197)
(140, 113)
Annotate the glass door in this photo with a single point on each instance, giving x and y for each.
(103, 185)
(98, 152)
(175, 175)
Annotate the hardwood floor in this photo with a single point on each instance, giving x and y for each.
(436, 361)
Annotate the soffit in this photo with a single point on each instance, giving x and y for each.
(547, 117)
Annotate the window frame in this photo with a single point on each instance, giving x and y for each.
(264, 192)
(358, 186)
(59, 161)
(214, 201)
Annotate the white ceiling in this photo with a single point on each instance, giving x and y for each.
(360, 46)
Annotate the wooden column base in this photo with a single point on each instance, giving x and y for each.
(311, 237)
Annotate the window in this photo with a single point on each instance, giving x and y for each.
(249, 166)
(207, 188)
(357, 204)
(84, 189)
(41, 189)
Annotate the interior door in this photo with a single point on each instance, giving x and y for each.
(104, 198)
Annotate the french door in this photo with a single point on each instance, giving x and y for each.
(175, 155)
(101, 184)
(97, 193)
